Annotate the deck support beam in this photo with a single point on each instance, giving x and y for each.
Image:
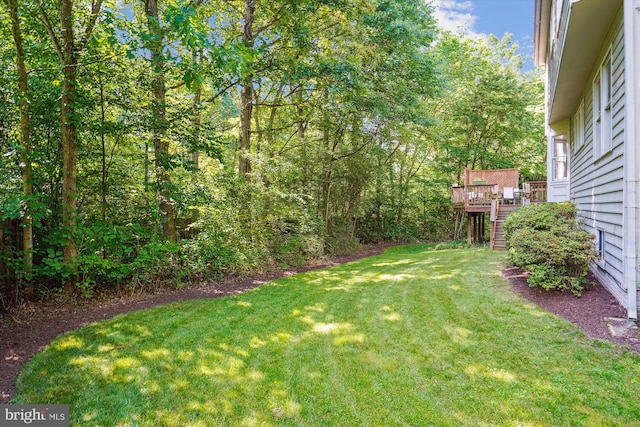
(475, 227)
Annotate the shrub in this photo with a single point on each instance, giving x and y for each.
(209, 253)
(341, 240)
(540, 216)
(547, 241)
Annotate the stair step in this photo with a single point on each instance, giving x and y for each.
(499, 241)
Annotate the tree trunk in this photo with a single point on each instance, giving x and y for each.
(327, 169)
(68, 53)
(158, 109)
(25, 147)
(246, 96)
(105, 173)
(197, 120)
(304, 152)
(197, 117)
(69, 148)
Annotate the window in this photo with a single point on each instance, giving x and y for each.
(602, 243)
(602, 131)
(560, 164)
(606, 105)
(578, 124)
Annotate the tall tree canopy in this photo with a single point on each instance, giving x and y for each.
(171, 139)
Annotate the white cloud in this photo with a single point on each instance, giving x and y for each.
(456, 16)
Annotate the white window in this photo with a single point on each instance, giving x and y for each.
(560, 158)
(602, 247)
(602, 124)
(578, 124)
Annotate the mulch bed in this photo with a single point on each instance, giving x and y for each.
(23, 336)
(588, 311)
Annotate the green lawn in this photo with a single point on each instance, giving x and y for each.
(411, 337)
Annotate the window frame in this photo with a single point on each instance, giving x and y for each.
(579, 126)
(602, 108)
(560, 158)
(597, 115)
(601, 247)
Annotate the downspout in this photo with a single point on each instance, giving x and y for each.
(631, 214)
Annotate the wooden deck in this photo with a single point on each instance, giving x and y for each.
(496, 192)
(478, 197)
(473, 198)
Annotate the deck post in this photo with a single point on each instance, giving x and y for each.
(468, 228)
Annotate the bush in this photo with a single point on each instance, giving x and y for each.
(540, 216)
(547, 241)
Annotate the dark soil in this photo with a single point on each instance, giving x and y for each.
(588, 311)
(27, 331)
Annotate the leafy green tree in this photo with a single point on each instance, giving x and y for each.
(24, 147)
(70, 40)
(488, 114)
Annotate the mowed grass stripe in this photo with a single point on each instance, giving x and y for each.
(410, 337)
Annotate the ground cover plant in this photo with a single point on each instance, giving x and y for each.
(411, 337)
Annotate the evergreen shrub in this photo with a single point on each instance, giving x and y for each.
(547, 241)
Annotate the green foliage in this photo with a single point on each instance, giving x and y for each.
(546, 240)
(357, 132)
(109, 256)
(540, 216)
(341, 240)
(209, 254)
(489, 114)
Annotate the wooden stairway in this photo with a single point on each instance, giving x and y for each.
(498, 241)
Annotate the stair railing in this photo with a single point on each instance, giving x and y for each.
(493, 218)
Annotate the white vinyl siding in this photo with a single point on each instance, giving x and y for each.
(597, 171)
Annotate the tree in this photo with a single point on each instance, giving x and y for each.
(246, 95)
(156, 46)
(25, 148)
(69, 46)
(487, 112)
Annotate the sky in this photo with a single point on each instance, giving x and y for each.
(482, 17)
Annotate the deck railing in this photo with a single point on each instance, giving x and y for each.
(472, 197)
(536, 191)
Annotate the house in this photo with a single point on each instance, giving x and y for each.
(590, 50)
